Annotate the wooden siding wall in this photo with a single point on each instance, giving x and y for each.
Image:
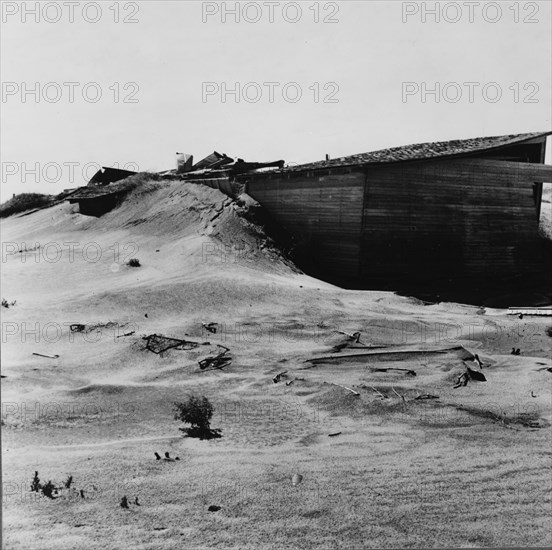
(324, 213)
(454, 218)
(422, 220)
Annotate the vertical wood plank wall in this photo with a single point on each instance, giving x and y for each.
(324, 213)
(450, 218)
(406, 221)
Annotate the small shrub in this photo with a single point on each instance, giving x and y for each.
(68, 482)
(134, 262)
(35, 484)
(196, 411)
(48, 489)
(7, 304)
(549, 331)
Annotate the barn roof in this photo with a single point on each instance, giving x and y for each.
(93, 192)
(107, 175)
(420, 151)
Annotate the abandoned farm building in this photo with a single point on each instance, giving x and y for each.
(446, 210)
(455, 210)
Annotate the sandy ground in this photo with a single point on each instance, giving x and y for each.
(546, 211)
(469, 469)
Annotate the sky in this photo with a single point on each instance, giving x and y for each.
(129, 84)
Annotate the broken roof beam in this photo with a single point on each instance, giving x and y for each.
(210, 160)
(241, 166)
(184, 162)
(107, 175)
(221, 162)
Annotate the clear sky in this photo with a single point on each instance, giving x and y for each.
(361, 71)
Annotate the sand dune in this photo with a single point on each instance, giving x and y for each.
(466, 469)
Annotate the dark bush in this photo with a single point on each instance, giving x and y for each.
(134, 262)
(549, 331)
(196, 411)
(25, 201)
(48, 489)
(35, 484)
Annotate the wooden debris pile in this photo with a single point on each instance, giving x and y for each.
(279, 377)
(216, 361)
(469, 375)
(157, 343)
(82, 327)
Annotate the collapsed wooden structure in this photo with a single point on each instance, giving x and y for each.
(425, 212)
(109, 185)
(102, 193)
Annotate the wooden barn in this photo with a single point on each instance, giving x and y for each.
(433, 211)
